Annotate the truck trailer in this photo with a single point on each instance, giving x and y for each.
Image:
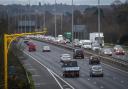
(97, 38)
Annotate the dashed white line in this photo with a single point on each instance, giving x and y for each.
(37, 84)
(35, 75)
(122, 81)
(101, 87)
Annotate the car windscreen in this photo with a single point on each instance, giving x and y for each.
(97, 68)
(70, 64)
(79, 51)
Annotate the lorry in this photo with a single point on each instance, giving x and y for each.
(70, 69)
(97, 37)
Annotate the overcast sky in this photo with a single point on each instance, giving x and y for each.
(77, 2)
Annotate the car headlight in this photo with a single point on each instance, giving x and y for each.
(105, 52)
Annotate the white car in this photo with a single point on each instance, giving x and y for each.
(65, 57)
(96, 47)
(96, 70)
(46, 49)
(107, 51)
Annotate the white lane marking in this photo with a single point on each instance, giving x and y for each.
(94, 83)
(101, 87)
(49, 69)
(110, 65)
(37, 84)
(36, 75)
(55, 79)
(88, 79)
(122, 81)
(62, 80)
(31, 69)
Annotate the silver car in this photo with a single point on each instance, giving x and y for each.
(46, 49)
(107, 51)
(96, 70)
(65, 57)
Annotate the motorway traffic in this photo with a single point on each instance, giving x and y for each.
(113, 78)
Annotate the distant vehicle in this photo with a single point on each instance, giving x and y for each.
(70, 69)
(29, 43)
(96, 47)
(94, 60)
(31, 47)
(46, 49)
(65, 58)
(78, 53)
(96, 37)
(62, 42)
(116, 47)
(96, 70)
(60, 38)
(76, 43)
(26, 40)
(120, 51)
(87, 44)
(67, 41)
(81, 42)
(107, 51)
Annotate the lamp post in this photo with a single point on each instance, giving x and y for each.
(72, 23)
(99, 20)
(55, 17)
(44, 17)
(61, 23)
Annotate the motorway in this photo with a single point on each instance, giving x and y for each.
(113, 78)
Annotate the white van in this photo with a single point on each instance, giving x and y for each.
(87, 44)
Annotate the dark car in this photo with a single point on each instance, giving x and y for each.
(94, 60)
(78, 53)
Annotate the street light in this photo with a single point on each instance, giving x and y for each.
(29, 7)
(99, 17)
(72, 22)
(99, 23)
(62, 23)
(44, 17)
(55, 17)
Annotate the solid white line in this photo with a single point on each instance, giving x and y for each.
(62, 79)
(49, 69)
(55, 79)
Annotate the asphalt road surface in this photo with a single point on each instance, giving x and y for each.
(113, 78)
